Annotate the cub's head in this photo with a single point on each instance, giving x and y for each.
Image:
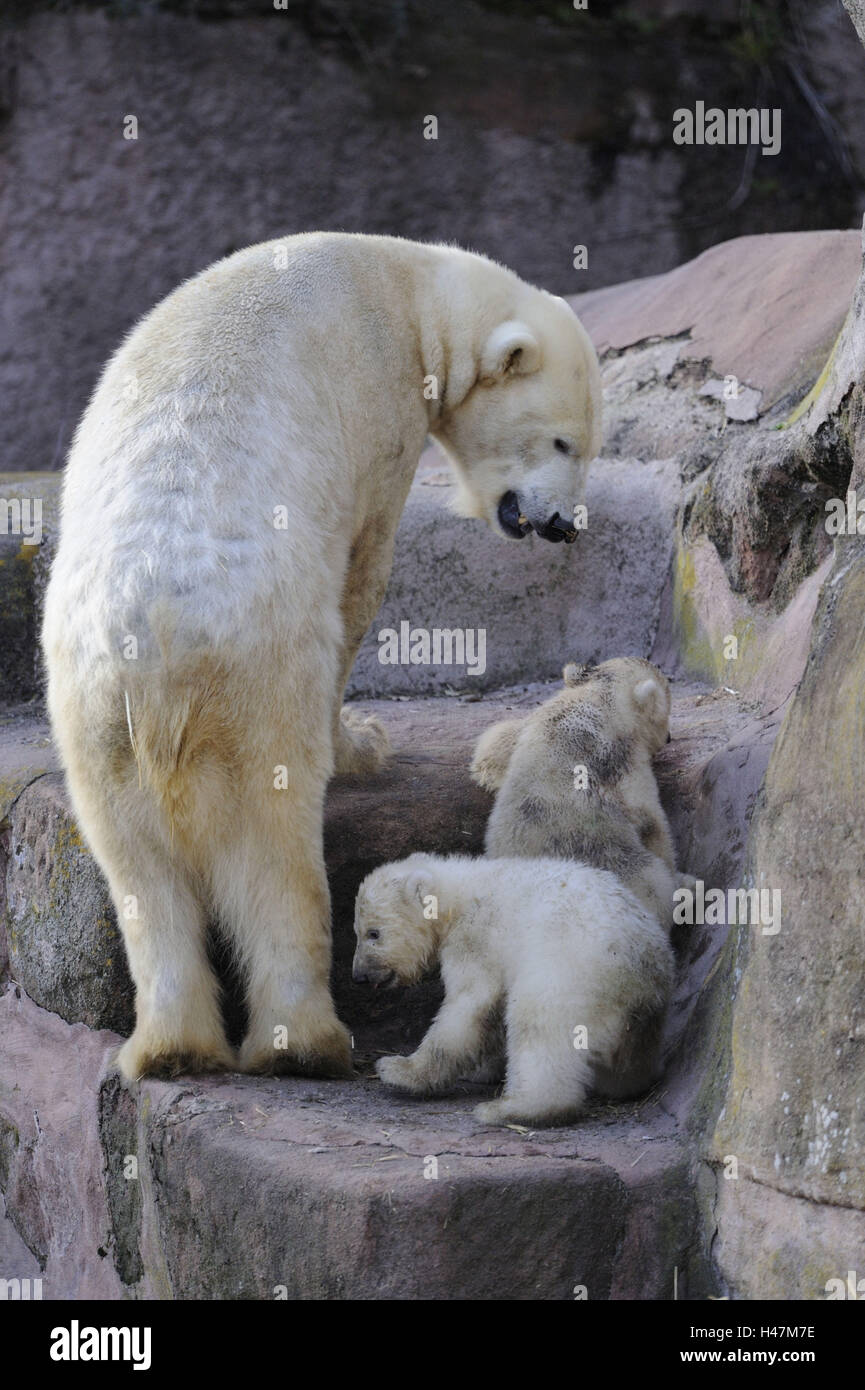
(396, 941)
(603, 712)
(632, 695)
(522, 435)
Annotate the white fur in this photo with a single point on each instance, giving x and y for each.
(551, 945)
(290, 375)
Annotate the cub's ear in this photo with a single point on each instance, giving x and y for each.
(417, 885)
(649, 696)
(575, 673)
(511, 350)
(493, 753)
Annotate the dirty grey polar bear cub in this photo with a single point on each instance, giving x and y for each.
(559, 958)
(574, 778)
(228, 520)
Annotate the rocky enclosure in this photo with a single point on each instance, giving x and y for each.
(733, 415)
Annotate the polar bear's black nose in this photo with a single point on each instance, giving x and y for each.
(510, 517)
(359, 975)
(557, 529)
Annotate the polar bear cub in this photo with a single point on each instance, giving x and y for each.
(561, 957)
(574, 778)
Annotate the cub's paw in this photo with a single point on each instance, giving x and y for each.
(492, 753)
(493, 1112)
(511, 1112)
(362, 744)
(400, 1073)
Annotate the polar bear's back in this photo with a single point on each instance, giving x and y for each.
(210, 486)
(552, 914)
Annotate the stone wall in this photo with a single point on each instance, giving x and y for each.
(554, 130)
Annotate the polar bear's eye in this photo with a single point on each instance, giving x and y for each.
(372, 935)
(562, 446)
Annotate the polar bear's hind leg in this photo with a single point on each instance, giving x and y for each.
(178, 1024)
(268, 879)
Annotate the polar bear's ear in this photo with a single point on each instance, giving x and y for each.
(649, 695)
(417, 885)
(511, 350)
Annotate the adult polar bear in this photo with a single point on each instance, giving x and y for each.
(229, 512)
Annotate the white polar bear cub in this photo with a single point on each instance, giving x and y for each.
(561, 956)
(229, 511)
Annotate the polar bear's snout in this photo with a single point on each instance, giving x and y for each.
(516, 524)
(557, 529)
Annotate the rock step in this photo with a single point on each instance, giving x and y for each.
(321, 1185)
(237, 1187)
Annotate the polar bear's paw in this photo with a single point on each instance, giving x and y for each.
(362, 744)
(324, 1052)
(142, 1055)
(400, 1073)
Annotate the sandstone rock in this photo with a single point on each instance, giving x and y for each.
(51, 1160)
(782, 1092)
(595, 599)
(856, 11)
(257, 1189)
(64, 945)
(28, 511)
(792, 1106)
(798, 284)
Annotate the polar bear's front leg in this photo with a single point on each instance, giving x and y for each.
(450, 1048)
(360, 744)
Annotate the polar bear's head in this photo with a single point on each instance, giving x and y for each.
(396, 936)
(526, 422)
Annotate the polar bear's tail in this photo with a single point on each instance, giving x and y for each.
(182, 738)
